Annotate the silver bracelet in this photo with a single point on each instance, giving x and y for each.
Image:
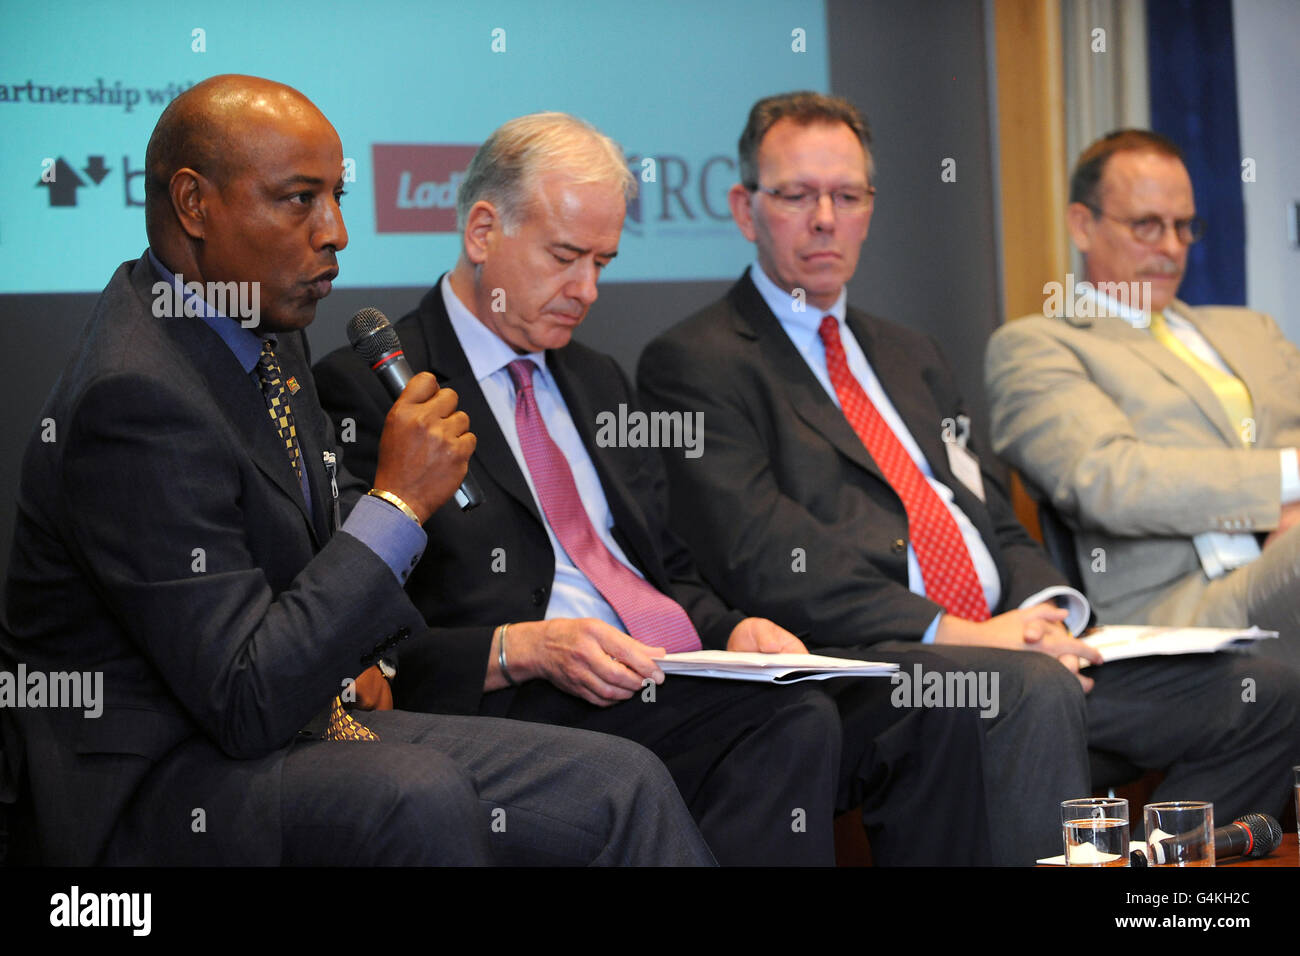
(501, 657)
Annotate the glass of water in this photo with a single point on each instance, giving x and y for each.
(1095, 831)
(1180, 833)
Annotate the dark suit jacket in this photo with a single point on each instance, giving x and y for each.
(458, 583)
(784, 482)
(163, 540)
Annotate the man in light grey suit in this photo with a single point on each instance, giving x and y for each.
(1164, 434)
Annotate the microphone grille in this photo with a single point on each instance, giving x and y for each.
(372, 335)
(1265, 831)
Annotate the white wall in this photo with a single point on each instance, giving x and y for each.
(1268, 94)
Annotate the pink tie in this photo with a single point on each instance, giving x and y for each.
(649, 616)
(946, 567)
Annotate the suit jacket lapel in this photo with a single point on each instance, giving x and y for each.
(1146, 347)
(912, 399)
(1237, 352)
(310, 426)
(629, 520)
(754, 320)
(443, 355)
(234, 391)
(921, 403)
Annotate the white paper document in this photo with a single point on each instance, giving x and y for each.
(1118, 642)
(1076, 605)
(771, 668)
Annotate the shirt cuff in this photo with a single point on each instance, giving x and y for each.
(393, 536)
(928, 636)
(1077, 608)
(1290, 476)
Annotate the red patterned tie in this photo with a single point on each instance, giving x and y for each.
(649, 616)
(946, 567)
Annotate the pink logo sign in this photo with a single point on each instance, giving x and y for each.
(415, 185)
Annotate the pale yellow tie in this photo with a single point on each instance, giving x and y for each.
(1228, 389)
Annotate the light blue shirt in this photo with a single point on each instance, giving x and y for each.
(385, 530)
(802, 328)
(572, 595)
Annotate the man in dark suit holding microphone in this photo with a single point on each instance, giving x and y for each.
(177, 533)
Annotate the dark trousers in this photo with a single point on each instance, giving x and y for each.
(1035, 747)
(1223, 727)
(917, 772)
(748, 758)
(434, 790)
(756, 764)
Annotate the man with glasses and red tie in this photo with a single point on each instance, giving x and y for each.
(1164, 434)
(840, 437)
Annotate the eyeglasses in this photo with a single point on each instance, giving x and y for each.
(804, 199)
(1151, 229)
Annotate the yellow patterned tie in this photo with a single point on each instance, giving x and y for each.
(1228, 389)
(277, 403)
(341, 725)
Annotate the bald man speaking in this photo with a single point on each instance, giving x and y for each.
(181, 543)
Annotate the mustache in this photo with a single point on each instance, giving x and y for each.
(1162, 268)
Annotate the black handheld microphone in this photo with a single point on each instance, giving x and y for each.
(375, 340)
(1253, 835)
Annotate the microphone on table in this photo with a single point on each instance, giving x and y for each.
(375, 340)
(1253, 835)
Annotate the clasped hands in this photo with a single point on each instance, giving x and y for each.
(1038, 628)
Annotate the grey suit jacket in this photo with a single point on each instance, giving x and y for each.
(785, 510)
(1136, 453)
(162, 540)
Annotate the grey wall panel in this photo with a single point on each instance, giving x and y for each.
(919, 72)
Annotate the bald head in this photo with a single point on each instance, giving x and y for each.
(210, 129)
(244, 182)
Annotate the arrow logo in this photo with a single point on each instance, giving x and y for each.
(96, 169)
(63, 187)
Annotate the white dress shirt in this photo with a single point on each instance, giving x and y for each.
(802, 328)
(572, 595)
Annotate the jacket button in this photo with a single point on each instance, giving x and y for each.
(899, 546)
(539, 597)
